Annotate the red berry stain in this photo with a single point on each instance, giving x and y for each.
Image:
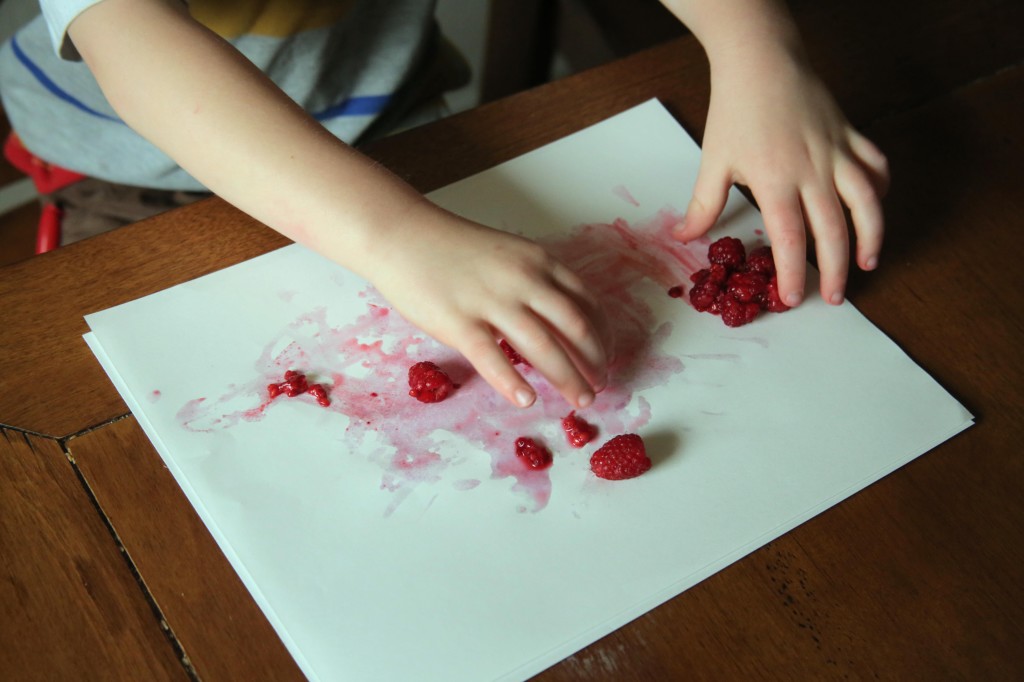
(577, 430)
(295, 384)
(535, 456)
(428, 383)
(676, 291)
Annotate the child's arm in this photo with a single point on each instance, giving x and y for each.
(774, 127)
(197, 98)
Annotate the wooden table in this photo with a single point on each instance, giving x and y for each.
(106, 572)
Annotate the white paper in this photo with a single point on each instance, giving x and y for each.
(382, 537)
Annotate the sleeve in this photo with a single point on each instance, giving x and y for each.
(58, 15)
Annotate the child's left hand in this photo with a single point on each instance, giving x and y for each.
(773, 126)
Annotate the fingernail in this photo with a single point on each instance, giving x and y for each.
(836, 299)
(871, 263)
(524, 398)
(585, 399)
(793, 300)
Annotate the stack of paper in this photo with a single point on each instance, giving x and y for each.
(387, 539)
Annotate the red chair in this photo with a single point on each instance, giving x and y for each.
(47, 178)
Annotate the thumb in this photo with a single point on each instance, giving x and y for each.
(710, 192)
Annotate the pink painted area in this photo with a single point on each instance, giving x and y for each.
(623, 193)
(364, 367)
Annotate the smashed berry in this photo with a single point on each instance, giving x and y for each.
(534, 455)
(295, 383)
(676, 291)
(578, 431)
(428, 383)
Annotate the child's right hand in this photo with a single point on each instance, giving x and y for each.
(469, 286)
(193, 95)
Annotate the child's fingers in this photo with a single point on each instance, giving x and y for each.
(784, 222)
(597, 337)
(577, 334)
(827, 223)
(874, 161)
(539, 344)
(710, 192)
(477, 344)
(860, 195)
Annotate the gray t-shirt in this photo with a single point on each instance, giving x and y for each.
(348, 63)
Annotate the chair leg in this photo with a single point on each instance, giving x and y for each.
(521, 38)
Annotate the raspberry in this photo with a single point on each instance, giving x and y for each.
(428, 383)
(727, 251)
(535, 456)
(771, 301)
(736, 286)
(736, 313)
(747, 287)
(620, 458)
(716, 273)
(703, 295)
(577, 431)
(513, 355)
(760, 260)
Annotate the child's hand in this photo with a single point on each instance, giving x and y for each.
(468, 286)
(774, 127)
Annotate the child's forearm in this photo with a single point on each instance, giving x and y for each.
(223, 121)
(729, 27)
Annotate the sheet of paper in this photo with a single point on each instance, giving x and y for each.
(392, 540)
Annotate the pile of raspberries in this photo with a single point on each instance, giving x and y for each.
(736, 285)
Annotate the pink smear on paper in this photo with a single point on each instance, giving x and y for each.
(623, 193)
(364, 366)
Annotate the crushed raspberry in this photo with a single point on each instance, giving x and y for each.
(578, 431)
(320, 393)
(727, 251)
(736, 286)
(428, 383)
(513, 355)
(622, 457)
(295, 383)
(676, 291)
(534, 455)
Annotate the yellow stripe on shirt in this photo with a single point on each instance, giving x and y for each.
(275, 18)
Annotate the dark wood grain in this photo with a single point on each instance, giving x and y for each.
(70, 607)
(46, 298)
(206, 606)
